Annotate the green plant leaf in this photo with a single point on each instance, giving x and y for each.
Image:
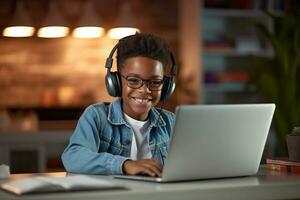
(278, 78)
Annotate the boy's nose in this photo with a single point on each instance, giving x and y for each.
(145, 87)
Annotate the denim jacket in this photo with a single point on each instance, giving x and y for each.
(102, 139)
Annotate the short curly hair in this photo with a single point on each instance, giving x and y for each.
(145, 45)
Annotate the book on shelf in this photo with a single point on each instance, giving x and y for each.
(233, 77)
(46, 184)
(283, 165)
(218, 46)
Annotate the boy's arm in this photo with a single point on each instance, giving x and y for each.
(81, 155)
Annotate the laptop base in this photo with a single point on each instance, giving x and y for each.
(140, 178)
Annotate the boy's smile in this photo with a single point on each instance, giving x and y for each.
(138, 102)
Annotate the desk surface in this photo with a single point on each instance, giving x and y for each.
(265, 185)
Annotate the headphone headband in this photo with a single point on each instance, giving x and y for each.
(109, 60)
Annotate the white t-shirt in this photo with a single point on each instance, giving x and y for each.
(139, 147)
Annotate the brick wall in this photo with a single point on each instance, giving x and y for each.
(37, 72)
(47, 72)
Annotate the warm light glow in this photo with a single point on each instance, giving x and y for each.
(53, 32)
(88, 32)
(18, 31)
(118, 33)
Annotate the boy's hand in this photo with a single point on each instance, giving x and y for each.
(149, 167)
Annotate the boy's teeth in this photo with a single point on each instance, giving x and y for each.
(141, 100)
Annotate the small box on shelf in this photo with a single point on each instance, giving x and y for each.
(283, 165)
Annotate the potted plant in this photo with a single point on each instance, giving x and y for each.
(277, 78)
(293, 144)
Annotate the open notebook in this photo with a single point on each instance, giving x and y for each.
(42, 184)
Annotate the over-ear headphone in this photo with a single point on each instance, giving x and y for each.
(113, 79)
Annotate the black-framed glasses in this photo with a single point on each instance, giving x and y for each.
(136, 82)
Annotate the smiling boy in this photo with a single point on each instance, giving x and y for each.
(129, 135)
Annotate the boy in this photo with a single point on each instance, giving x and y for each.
(127, 136)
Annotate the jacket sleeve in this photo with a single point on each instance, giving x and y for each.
(81, 155)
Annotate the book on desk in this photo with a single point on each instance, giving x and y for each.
(283, 165)
(45, 184)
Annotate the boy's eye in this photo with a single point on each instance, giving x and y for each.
(155, 82)
(133, 80)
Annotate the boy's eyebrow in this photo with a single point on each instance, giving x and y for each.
(152, 77)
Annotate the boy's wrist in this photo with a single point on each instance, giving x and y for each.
(123, 166)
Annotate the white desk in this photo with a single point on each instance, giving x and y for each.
(265, 185)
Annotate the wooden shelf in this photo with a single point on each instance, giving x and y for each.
(233, 12)
(256, 13)
(233, 52)
(228, 87)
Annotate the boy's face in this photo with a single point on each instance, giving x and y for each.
(138, 102)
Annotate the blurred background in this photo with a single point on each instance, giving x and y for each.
(52, 56)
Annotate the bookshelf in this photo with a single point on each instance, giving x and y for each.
(229, 37)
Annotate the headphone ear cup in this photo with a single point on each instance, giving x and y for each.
(117, 77)
(113, 84)
(168, 88)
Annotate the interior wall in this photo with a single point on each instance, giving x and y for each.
(37, 72)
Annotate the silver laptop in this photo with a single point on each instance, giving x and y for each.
(215, 141)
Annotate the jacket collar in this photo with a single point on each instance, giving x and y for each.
(116, 117)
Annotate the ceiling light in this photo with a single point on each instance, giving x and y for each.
(120, 32)
(53, 32)
(88, 25)
(21, 25)
(54, 24)
(125, 23)
(88, 32)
